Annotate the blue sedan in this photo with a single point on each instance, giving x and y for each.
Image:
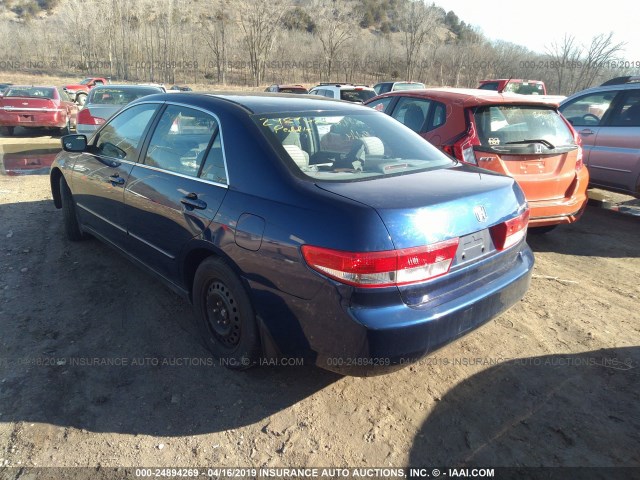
(299, 227)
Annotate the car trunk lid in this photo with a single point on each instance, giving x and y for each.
(430, 208)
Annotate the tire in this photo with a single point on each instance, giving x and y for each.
(66, 130)
(70, 217)
(226, 319)
(541, 230)
(10, 130)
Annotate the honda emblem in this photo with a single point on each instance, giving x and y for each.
(481, 213)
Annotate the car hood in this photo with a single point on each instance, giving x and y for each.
(427, 207)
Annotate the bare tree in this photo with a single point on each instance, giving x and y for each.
(564, 57)
(214, 25)
(259, 22)
(418, 22)
(334, 29)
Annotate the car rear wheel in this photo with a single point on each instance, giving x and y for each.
(226, 318)
(66, 130)
(542, 230)
(81, 98)
(70, 217)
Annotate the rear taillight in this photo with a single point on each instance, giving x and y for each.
(578, 140)
(85, 118)
(462, 147)
(383, 269)
(509, 233)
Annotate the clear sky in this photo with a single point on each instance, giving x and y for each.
(536, 24)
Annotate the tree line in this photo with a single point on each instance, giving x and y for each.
(258, 42)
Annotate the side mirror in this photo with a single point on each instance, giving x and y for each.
(74, 143)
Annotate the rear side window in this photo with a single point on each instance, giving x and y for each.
(627, 113)
(588, 110)
(180, 140)
(522, 128)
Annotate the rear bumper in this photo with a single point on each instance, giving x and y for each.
(33, 119)
(563, 210)
(376, 339)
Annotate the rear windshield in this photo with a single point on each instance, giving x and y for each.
(522, 128)
(38, 92)
(524, 88)
(293, 90)
(356, 95)
(119, 96)
(349, 146)
(407, 86)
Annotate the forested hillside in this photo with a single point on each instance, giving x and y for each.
(257, 42)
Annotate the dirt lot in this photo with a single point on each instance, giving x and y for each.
(554, 381)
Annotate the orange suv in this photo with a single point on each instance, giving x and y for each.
(516, 135)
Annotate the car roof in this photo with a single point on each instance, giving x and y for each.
(604, 88)
(261, 103)
(469, 97)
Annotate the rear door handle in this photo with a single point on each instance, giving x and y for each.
(191, 200)
(586, 132)
(116, 180)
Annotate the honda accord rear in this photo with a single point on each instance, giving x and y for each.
(300, 227)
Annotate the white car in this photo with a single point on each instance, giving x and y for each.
(344, 91)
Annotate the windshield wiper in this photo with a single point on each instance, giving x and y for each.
(544, 142)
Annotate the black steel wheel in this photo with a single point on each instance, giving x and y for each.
(226, 318)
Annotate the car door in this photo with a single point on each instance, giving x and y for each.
(588, 113)
(617, 164)
(101, 174)
(176, 189)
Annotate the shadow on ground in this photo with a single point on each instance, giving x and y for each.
(589, 236)
(92, 342)
(555, 410)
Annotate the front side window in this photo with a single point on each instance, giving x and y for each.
(121, 138)
(588, 110)
(180, 140)
(381, 104)
(349, 146)
(522, 129)
(412, 112)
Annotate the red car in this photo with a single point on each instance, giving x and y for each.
(37, 107)
(524, 137)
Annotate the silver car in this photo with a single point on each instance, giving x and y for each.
(607, 118)
(106, 100)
